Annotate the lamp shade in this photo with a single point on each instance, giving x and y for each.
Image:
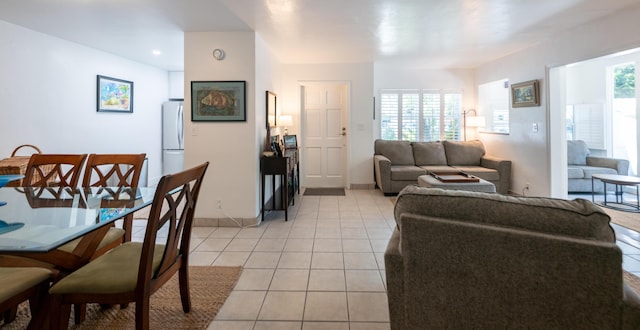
(286, 120)
(476, 121)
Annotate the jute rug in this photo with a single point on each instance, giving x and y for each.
(210, 287)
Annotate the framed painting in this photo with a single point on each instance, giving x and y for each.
(272, 112)
(525, 94)
(114, 95)
(218, 101)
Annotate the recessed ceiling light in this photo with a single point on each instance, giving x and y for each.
(156, 52)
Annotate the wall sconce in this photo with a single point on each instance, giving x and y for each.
(472, 121)
(286, 120)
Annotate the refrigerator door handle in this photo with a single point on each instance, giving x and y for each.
(180, 126)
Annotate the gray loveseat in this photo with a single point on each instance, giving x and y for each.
(581, 166)
(472, 260)
(400, 163)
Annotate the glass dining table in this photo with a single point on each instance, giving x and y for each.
(37, 221)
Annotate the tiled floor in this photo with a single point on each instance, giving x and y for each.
(324, 268)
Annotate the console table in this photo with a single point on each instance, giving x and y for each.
(288, 168)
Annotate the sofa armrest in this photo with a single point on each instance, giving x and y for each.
(394, 269)
(382, 169)
(620, 165)
(504, 171)
(630, 308)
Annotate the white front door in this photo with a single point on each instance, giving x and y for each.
(324, 118)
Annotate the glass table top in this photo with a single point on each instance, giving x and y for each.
(42, 219)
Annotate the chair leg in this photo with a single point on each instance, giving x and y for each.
(59, 313)
(142, 314)
(127, 225)
(10, 315)
(79, 313)
(185, 297)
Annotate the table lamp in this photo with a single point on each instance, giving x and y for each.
(286, 120)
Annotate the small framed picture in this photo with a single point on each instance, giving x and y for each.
(218, 101)
(290, 142)
(525, 94)
(114, 95)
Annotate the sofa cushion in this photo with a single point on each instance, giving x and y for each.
(398, 152)
(573, 218)
(575, 172)
(589, 171)
(406, 173)
(429, 153)
(438, 168)
(481, 172)
(463, 152)
(577, 152)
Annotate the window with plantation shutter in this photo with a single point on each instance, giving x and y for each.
(420, 115)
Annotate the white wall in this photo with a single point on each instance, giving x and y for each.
(360, 129)
(529, 151)
(232, 148)
(48, 91)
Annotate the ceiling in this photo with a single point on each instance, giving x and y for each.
(436, 33)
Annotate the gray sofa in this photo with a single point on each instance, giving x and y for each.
(472, 260)
(581, 166)
(400, 163)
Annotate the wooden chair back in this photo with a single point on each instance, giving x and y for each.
(175, 210)
(46, 170)
(115, 170)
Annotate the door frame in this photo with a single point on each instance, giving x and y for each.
(346, 117)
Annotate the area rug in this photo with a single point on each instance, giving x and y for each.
(324, 192)
(210, 287)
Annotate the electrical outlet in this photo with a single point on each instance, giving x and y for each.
(219, 204)
(526, 186)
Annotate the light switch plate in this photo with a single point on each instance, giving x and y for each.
(534, 127)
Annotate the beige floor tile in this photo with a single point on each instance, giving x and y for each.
(311, 325)
(231, 325)
(225, 232)
(255, 279)
(356, 245)
(213, 244)
(379, 233)
(203, 258)
(369, 326)
(328, 232)
(360, 261)
(290, 280)
(263, 260)
(354, 233)
(364, 280)
(242, 244)
(368, 307)
(283, 306)
(299, 260)
(379, 245)
(231, 258)
(270, 244)
(278, 325)
(380, 260)
(299, 244)
(326, 306)
(242, 305)
(326, 280)
(324, 260)
(202, 232)
(327, 245)
(254, 232)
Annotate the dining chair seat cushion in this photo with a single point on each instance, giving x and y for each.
(112, 235)
(114, 272)
(18, 279)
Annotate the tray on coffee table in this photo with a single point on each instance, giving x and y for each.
(454, 177)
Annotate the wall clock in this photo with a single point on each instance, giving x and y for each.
(218, 54)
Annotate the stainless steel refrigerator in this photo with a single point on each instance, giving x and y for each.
(172, 137)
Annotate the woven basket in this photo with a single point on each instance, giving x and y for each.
(16, 164)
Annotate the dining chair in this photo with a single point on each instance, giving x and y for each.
(20, 284)
(114, 170)
(133, 271)
(46, 170)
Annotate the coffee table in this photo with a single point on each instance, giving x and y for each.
(619, 181)
(480, 185)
